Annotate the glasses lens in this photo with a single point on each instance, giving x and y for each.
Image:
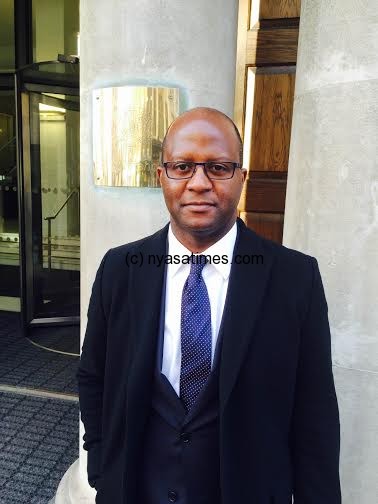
(180, 170)
(220, 170)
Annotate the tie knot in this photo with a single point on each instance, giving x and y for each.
(198, 263)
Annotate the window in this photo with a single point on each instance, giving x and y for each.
(7, 45)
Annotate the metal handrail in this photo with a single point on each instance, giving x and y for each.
(53, 217)
(8, 143)
(12, 168)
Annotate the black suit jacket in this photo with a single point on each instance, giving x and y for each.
(279, 418)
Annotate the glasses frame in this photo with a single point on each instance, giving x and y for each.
(204, 166)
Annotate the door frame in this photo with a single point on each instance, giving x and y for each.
(22, 94)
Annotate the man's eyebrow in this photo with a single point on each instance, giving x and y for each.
(190, 157)
(182, 155)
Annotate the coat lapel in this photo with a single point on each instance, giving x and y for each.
(246, 289)
(245, 293)
(146, 282)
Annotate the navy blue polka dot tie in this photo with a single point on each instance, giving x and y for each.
(195, 334)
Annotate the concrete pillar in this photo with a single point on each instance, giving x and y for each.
(332, 210)
(176, 43)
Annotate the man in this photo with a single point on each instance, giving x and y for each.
(206, 373)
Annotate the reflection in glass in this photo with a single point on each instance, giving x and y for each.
(7, 47)
(55, 28)
(54, 149)
(9, 237)
(53, 73)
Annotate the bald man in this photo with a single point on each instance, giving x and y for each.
(206, 372)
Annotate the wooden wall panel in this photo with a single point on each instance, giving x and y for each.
(272, 45)
(273, 9)
(271, 123)
(263, 195)
(268, 225)
(268, 33)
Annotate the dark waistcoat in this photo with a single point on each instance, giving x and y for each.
(180, 459)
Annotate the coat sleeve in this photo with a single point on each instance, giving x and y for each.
(315, 432)
(90, 377)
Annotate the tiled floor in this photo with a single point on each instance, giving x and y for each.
(23, 364)
(39, 436)
(39, 440)
(65, 339)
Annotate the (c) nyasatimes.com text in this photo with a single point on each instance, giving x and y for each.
(138, 259)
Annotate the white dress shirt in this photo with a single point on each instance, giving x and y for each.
(216, 278)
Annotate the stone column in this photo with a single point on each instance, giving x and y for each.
(175, 43)
(332, 210)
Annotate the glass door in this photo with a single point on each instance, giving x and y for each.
(9, 235)
(51, 208)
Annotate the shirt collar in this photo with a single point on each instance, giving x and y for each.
(223, 247)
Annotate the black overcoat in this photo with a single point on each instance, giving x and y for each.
(279, 417)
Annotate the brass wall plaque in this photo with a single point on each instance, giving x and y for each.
(129, 124)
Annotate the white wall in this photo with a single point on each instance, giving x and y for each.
(332, 210)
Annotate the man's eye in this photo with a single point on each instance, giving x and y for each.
(218, 167)
(183, 167)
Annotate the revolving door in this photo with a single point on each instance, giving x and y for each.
(48, 166)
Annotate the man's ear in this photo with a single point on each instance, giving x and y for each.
(244, 173)
(159, 172)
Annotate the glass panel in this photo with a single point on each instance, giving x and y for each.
(7, 47)
(54, 129)
(55, 28)
(9, 237)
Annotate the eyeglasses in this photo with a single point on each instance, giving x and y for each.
(215, 170)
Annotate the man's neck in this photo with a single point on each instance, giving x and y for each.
(198, 242)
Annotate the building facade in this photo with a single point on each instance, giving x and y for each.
(301, 81)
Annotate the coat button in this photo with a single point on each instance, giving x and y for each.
(185, 437)
(172, 496)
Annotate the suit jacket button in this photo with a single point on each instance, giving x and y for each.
(172, 496)
(185, 437)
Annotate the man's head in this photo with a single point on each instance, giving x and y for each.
(199, 205)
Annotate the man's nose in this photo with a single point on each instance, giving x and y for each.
(199, 181)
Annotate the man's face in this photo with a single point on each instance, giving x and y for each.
(200, 205)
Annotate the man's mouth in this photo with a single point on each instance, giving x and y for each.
(199, 203)
(199, 206)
